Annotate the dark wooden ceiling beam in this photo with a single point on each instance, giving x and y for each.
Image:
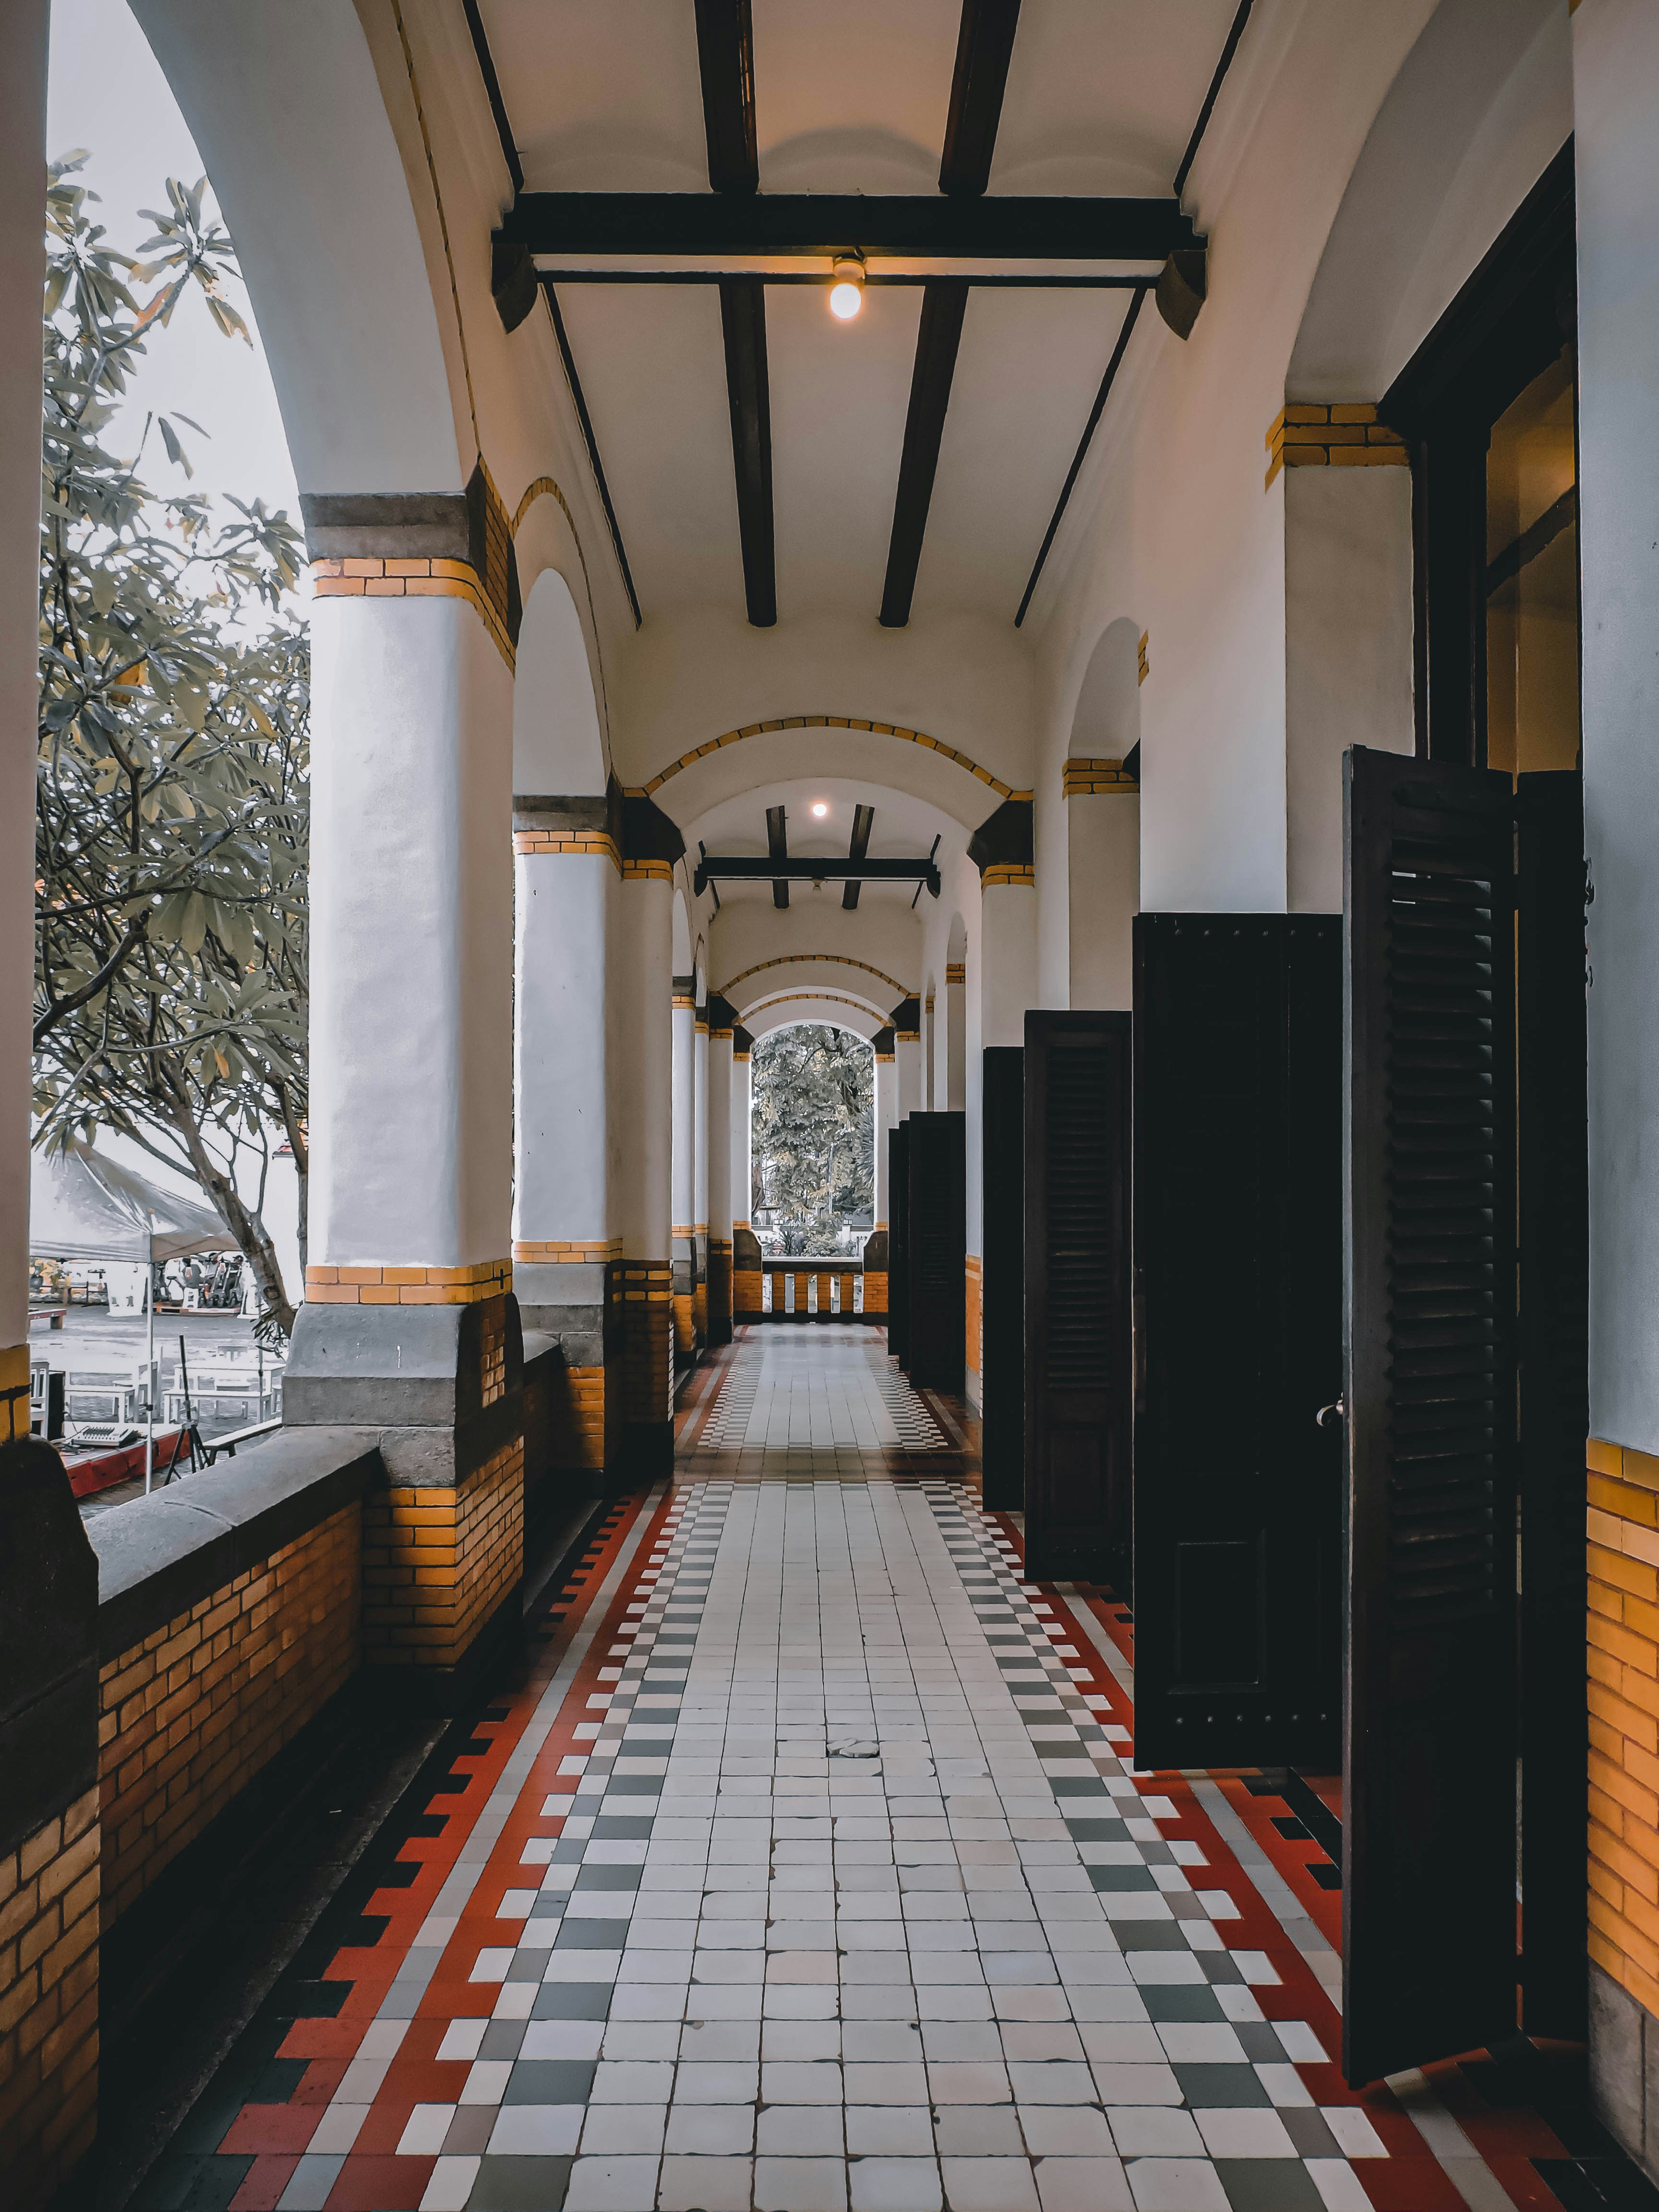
(750, 868)
(815, 224)
(863, 822)
(985, 46)
(748, 391)
(777, 844)
(944, 303)
(725, 59)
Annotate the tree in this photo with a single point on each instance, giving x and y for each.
(813, 1128)
(174, 754)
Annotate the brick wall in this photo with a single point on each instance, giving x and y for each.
(576, 1418)
(438, 1562)
(188, 1718)
(49, 1921)
(974, 1304)
(1624, 1700)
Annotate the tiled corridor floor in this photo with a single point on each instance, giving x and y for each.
(809, 1871)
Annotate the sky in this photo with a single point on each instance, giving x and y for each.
(106, 93)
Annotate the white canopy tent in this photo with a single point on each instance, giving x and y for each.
(84, 1206)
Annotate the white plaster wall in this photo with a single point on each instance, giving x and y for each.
(874, 937)
(412, 934)
(23, 269)
(699, 1130)
(641, 1043)
(560, 1195)
(1348, 620)
(1007, 961)
(886, 1119)
(1104, 856)
(1616, 75)
(557, 749)
(906, 1060)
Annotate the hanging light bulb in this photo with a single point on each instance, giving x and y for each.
(846, 293)
(819, 809)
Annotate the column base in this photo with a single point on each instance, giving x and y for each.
(638, 1371)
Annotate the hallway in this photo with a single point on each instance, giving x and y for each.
(806, 1870)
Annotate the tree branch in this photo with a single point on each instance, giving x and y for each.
(60, 1009)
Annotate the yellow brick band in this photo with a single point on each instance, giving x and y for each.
(1010, 875)
(807, 990)
(830, 722)
(438, 1562)
(1345, 434)
(556, 1251)
(954, 972)
(1088, 779)
(829, 959)
(656, 871)
(683, 1228)
(684, 1003)
(369, 578)
(1143, 667)
(407, 1286)
(906, 1037)
(529, 841)
(1623, 1657)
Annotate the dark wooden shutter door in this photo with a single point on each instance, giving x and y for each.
(1554, 1396)
(1078, 1336)
(1428, 1880)
(937, 1334)
(1238, 1313)
(1002, 1295)
(898, 1242)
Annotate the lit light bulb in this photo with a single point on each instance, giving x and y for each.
(819, 809)
(846, 293)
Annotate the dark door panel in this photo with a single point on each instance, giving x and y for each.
(1078, 1338)
(1002, 1291)
(899, 1244)
(1428, 1965)
(1238, 1270)
(936, 1334)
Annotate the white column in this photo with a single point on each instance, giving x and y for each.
(412, 947)
(886, 1118)
(1615, 93)
(907, 1061)
(717, 1152)
(23, 265)
(741, 1104)
(682, 1232)
(566, 886)
(700, 1175)
(642, 1045)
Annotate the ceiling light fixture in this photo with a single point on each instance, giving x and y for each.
(847, 292)
(819, 809)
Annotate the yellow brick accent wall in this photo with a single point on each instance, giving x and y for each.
(1090, 779)
(188, 1718)
(409, 1286)
(437, 1562)
(655, 872)
(746, 1291)
(371, 578)
(685, 1324)
(875, 1293)
(1623, 1641)
(566, 1251)
(1009, 873)
(577, 1418)
(568, 841)
(1346, 435)
(975, 1306)
(48, 1922)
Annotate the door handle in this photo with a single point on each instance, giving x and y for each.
(1329, 1415)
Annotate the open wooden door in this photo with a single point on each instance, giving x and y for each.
(1553, 1182)
(1079, 1398)
(1238, 1317)
(936, 1334)
(1002, 1310)
(1429, 1811)
(898, 1242)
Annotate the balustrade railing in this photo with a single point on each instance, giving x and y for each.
(807, 1289)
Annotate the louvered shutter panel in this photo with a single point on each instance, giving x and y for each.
(1002, 1310)
(1428, 1891)
(938, 1256)
(1238, 1314)
(1554, 1396)
(1079, 1341)
(899, 1244)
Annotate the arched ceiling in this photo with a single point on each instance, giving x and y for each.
(688, 174)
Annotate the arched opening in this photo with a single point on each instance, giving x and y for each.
(812, 1141)
(1102, 820)
(557, 747)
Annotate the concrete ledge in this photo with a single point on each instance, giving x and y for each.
(161, 1554)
